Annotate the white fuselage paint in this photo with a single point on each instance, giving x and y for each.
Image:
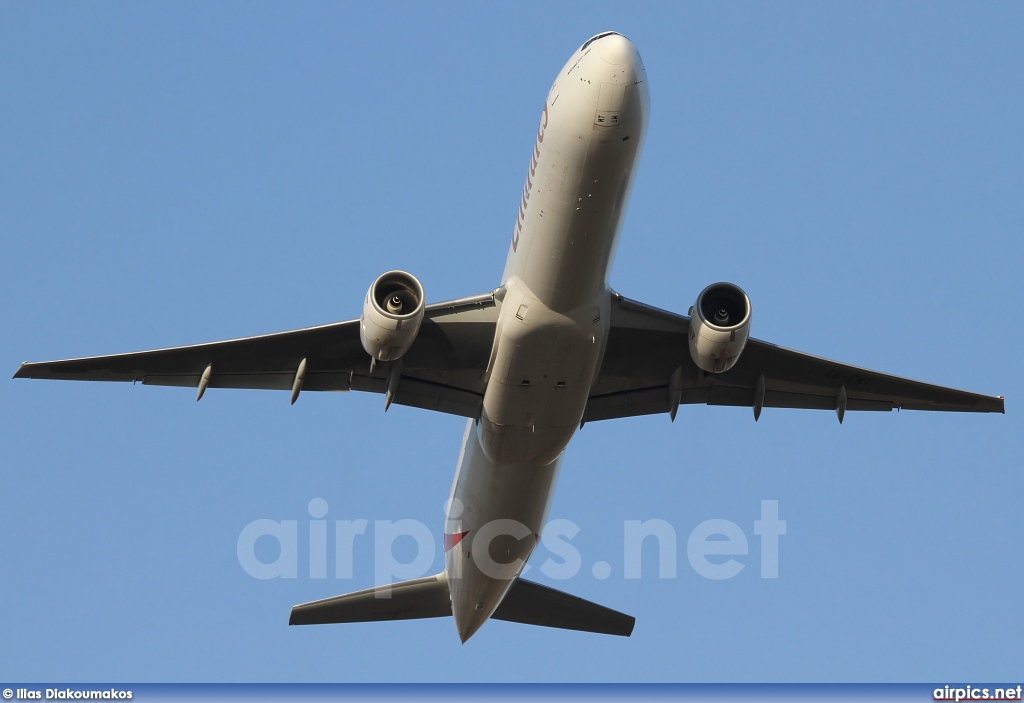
(553, 324)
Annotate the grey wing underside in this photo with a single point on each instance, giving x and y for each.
(442, 371)
(647, 369)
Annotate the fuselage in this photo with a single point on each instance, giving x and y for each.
(553, 325)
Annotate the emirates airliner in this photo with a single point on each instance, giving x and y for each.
(528, 363)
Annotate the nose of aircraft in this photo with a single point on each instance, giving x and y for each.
(616, 61)
(615, 49)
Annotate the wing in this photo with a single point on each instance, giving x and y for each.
(441, 371)
(647, 369)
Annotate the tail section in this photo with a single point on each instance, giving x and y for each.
(526, 602)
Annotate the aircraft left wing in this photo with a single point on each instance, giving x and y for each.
(647, 369)
(442, 370)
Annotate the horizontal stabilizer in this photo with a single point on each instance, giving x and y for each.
(526, 602)
(409, 600)
(533, 604)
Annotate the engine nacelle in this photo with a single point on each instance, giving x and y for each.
(392, 315)
(719, 327)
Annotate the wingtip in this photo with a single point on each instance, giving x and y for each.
(17, 374)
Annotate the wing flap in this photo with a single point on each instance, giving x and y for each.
(744, 397)
(642, 401)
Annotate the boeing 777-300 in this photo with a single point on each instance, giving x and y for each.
(528, 363)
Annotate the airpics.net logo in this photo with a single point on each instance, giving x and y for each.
(716, 549)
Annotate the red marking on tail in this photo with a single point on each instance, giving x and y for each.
(451, 540)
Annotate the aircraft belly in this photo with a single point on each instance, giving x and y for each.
(552, 328)
(541, 375)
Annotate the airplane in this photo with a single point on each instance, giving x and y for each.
(529, 363)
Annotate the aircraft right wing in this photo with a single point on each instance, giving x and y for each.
(647, 369)
(442, 371)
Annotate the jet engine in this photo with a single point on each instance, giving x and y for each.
(719, 326)
(392, 315)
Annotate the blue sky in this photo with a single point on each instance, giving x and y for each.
(179, 173)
